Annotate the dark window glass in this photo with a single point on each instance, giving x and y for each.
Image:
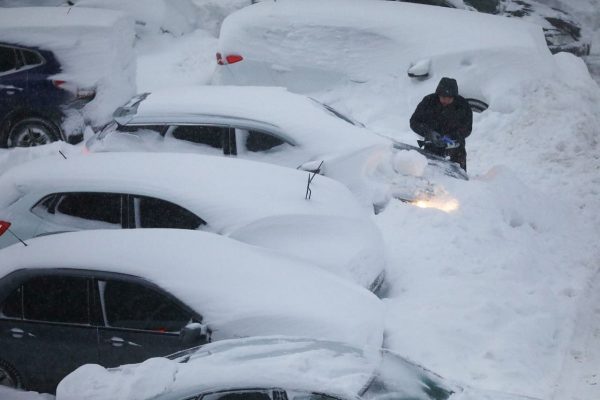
(102, 207)
(155, 213)
(486, 6)
(8, 59)
(213, 136)
(133, 306)
(309, 396)
(136, 128)
(238, 395)
(12, 306)
(259, 141)
(56, 299)
(31, 57)
(44, 207)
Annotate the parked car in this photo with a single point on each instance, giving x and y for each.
(114, 297)
(379, 48)
(563, 32)
(270, 125)
(31, 103)
(256, 203)
(271, 368)
(56, 72)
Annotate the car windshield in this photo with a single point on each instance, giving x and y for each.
(336, 113)
(399, 379)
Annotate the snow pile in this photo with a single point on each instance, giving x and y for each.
(94, 48)
(492, 287)
(11, 394)
(301, 364)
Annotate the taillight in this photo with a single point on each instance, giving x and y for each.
(58, 83)
(230, 59)
(4, 225)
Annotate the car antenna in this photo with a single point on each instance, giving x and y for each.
(62, 154)
(310, 179)
(18, 238)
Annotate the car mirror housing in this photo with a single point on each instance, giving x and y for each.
(195, 333)
(420, 69)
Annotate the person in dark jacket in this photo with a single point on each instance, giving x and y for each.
(445, 120)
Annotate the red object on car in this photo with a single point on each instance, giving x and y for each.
(230, 59)
(4, 225)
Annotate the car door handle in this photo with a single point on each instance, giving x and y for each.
(19, 333)
(120, 342)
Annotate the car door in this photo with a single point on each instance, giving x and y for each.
(45, 328)
(13, 80)
(140, 321)
(150, 212)
(73, 211)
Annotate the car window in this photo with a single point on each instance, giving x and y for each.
(8, 59)
(138, 128)
(31, 57)
(85, 210)
(56, 299)
(309, 396)
(155, 213)
(12, 307)
(486, 6)
(259, 141)
(239, 395)
(134, 306)
(213, 136)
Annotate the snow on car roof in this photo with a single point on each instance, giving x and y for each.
(267, 362)
(415, 29)
(227, 193)
(301, 120)
(239, 289)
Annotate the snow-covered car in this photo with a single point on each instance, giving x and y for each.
(60, 69)
(271, 125)
(114, 297)
(563, 32)
(256, 203)
(269, 368)
(310, 47)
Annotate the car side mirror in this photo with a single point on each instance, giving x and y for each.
(195, 333)
(420, 69)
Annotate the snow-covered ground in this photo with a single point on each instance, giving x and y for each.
(502, 293)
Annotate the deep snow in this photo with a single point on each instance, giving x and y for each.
(498, 294)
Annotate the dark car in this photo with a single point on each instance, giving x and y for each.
(114, 297)
(32, 104)
(562, 31)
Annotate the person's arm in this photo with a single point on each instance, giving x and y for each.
(418, 121)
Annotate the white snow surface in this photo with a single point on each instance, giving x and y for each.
(495, 294)
(239, 290)
(94, 48)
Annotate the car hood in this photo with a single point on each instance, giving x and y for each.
(349, 247)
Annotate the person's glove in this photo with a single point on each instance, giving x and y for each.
(436, 139)
(448, 143)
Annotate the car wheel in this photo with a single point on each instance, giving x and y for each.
(477, 106)
(31, 132)
(9, 376)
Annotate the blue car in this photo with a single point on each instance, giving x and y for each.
(32, 104)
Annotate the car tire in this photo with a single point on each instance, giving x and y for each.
(477, 106)
(9, 376)
(32, 131)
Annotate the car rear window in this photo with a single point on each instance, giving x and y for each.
(8, 59)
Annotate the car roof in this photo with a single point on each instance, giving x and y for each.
(239, 289)
(296, 118)
(289, 363)
(227, 193)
